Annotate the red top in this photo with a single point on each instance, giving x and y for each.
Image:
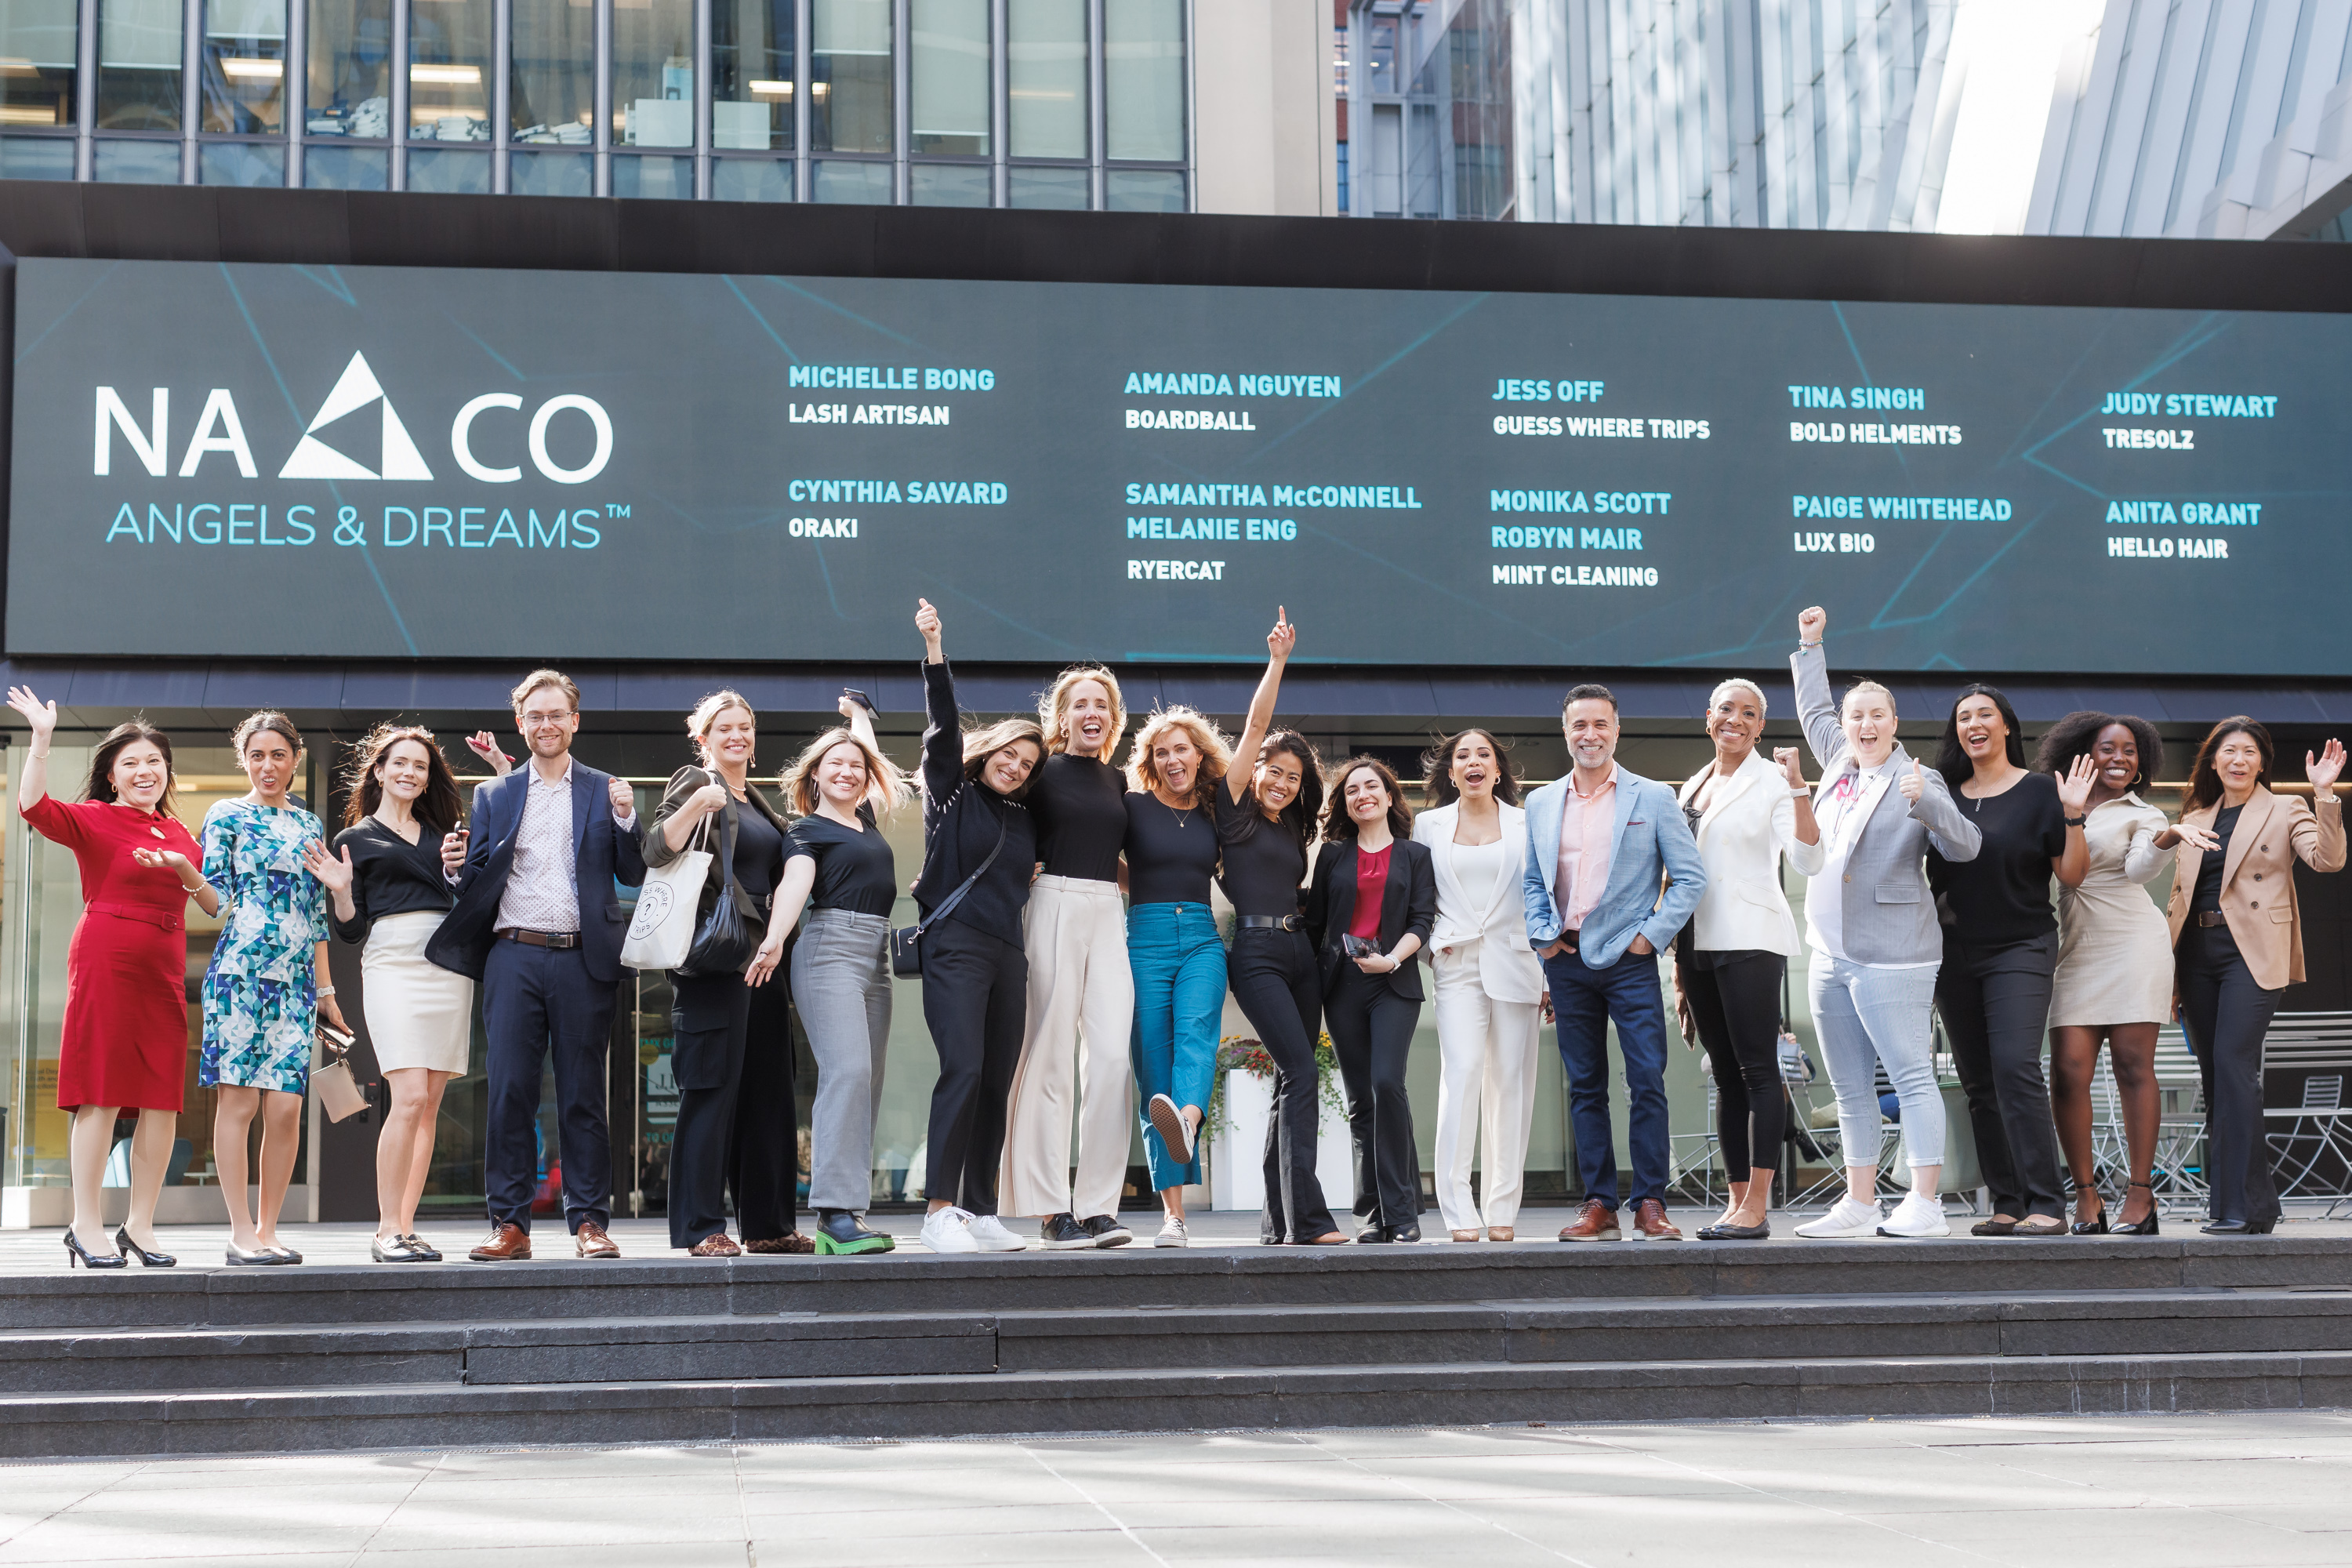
(125, 1040)
(1371, 881)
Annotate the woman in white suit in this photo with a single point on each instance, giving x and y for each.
(1490, 985)
(1729, 962)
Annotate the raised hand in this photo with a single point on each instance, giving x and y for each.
(1283, 638)
(625, 799)
(847, 706)
(334, 874)
(1811, 623)
(2323, 769)
(1913, 782)
(927, 621)
(2074, 789)
(1788, 760)
(42, 716)
(484, 745)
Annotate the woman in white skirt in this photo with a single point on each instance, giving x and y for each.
(387, 892)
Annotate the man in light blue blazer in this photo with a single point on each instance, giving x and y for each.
(1612, 873)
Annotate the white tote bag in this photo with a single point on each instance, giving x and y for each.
(663, 931)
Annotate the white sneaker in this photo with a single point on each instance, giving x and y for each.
(1851, 1218)
(989, 1233)
(1171, 1234)
(949, 1230)
(1917, 1215)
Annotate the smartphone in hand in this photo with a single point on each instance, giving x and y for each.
(861, 699)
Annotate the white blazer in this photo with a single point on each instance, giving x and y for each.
(1509, 969)
(1750, 822)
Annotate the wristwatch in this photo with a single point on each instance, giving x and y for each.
(2075, 821)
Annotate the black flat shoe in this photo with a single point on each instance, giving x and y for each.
(2227, 1227)
(77, 1253)
(1993, 1227)
(1372, 1233)
(2145, 1227)
(1726, 1231)
(1404, 1235)
(122, 1244)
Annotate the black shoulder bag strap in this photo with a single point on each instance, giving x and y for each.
(906, 955)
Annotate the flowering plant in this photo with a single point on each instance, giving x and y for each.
(1237, 1053)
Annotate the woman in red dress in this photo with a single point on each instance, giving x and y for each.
(126, 1028)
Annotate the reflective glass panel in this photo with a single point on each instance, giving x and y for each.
(752, 82)
(1144, 190)
(867, 184)
(949, 185)
(138, 67)
(1143, 80)
(327, 167)
(948, 74)
(242, 67)
(653, 73)
(449, 169)
(555, 94)
(653, 176)
(750, 180)
(537, 172)
(1061, 189)
(849, 57)
(349, 91)
(241, 163)
(450, 56)
(36, 63)
(1046, 59)
(138, 162)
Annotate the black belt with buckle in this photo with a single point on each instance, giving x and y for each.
(1270, 923)
(539, 938)
(2211, 918)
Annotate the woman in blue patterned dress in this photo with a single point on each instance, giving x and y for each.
(268, 983)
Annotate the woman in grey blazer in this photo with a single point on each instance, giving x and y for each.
(1876, 944)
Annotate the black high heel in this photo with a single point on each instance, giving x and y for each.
(76, 1252)
(122, 1244)
(2146, 1227)
(2090, 1227)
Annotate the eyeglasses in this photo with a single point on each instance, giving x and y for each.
(542, 720)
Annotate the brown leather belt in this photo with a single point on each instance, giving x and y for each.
(539, 938)
(2210, 918)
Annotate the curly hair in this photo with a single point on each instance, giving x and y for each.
(1054, 707)
(1216, 752)
(1437, 769)
(2075, 734)
(1338, 825)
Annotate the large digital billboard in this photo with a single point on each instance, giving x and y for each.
(281, 460)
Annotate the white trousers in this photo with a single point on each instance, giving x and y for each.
(1485, 1091)
(1081, 1012)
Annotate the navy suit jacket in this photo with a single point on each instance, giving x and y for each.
(602, 853)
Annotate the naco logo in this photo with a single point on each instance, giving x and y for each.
(220, 429)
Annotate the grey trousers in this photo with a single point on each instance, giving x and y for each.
(841, 984)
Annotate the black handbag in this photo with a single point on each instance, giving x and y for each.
(726, 940)
(905, 954)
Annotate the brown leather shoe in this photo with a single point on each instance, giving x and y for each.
(1596, 1221)
(1650, 1219)
(593, 1243)
(507, 1244)
(715, 1245)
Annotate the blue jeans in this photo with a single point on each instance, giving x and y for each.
(1586, 1001)
(1869, 1015)
(1179, 964)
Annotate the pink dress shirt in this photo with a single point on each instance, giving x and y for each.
(1586, 828)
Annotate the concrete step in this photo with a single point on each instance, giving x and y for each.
(1133, 1278)
(1469, 1392)
(851, 1345)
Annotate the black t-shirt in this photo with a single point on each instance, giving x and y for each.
(2003, 895)
(1170, 855)
(759, 851)
(1265, 862)
(1080, 808)
(390, 877)
(2208, 896)
(854, 871)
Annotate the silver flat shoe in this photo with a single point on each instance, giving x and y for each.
(432, 1254)
(400, 1249)
(238, 1257)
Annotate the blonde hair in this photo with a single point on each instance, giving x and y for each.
(886, 782)
(1863, 686)
(1216, 753)
(1736, 683)
(539, 678)
(706, 711)
(984, 743)
(1054, 707)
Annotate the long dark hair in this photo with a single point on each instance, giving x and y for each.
(2075, 735)
(2205, 780)
(1437, 785)
(436, 810)
(100, 783)
(1338, 825)
(1952, 758)
(1299, 817)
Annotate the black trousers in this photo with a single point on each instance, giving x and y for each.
(976, 1001)
(764, 1162)
(2225, 1016)
(538, 1002)
(1273, 978)
(1737, 1006)
(713, 1017)
(1996, 1007)
(1371, 1033)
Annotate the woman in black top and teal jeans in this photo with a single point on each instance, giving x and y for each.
(975, 972)
(1266, 818)
(2000, 951)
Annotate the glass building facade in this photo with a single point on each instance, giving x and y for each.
(1079, 104)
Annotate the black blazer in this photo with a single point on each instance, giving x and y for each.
(602, 853)
(1408, 904)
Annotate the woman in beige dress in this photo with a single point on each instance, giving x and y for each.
(2115, 959)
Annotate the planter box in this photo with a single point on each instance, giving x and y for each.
(1237, 1154)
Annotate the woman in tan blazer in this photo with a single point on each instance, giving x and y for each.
(2238, 942)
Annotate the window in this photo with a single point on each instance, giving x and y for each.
(752, 47)
(1143, 80)
(653, 73)
(1144, 190)
(1046, 60)
(553, 93)
(949, 185)
(243, 69)
(1063, 190)
(949, 74)
(348, 91)
(138, 67)
(450, 56)
(850, 101)
(37, 41)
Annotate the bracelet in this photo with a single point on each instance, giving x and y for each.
(2075, 821)
(40, 756)
(326, 991)
(1802, 644)
(1800, 792)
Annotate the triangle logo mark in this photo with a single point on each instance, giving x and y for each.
(354, 390)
